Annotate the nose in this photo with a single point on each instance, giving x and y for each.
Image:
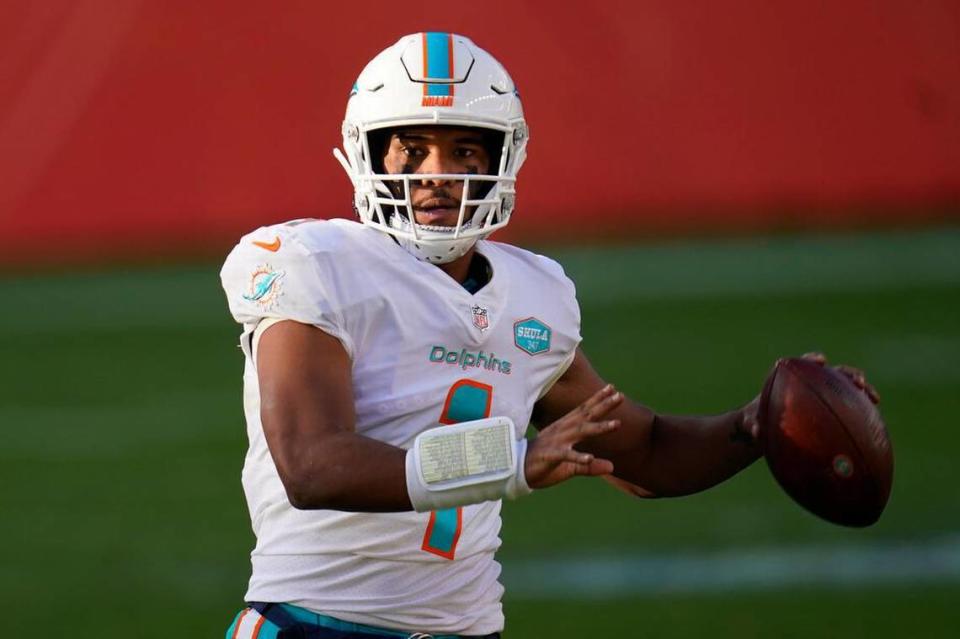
(436, 162)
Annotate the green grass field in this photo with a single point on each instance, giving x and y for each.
(123, 441)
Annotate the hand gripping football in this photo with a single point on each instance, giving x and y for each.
(825, 442)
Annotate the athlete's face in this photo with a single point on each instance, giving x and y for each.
(437, 149)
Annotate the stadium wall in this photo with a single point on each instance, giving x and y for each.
(137, 127)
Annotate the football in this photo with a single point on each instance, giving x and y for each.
(825, 442)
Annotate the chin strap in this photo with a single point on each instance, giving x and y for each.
(436, 249)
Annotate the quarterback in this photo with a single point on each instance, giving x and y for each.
(394, 364)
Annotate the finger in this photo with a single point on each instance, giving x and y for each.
(856, 376)
(585, 430)
(605, 406)
(598, 467)
(849, 370)
(859, 380)
(555, 456)
(815, 356)
(596, 399)
(751, 426)
(871, 392)
(592, 468)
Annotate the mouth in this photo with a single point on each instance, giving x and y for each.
(437, 212)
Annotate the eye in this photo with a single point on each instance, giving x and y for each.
(412, 152)
(465, 152)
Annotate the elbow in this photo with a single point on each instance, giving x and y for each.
(303, 499)
(308, 491)
(309, 497)
(314, 480)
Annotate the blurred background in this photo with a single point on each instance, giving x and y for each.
(725, 182)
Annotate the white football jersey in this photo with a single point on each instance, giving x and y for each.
(424, 352)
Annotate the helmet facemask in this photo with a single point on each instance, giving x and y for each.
(385, 201)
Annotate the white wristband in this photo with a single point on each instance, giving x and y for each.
(466, 463)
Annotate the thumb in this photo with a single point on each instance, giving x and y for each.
(748, 430)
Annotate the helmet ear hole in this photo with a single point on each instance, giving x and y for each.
(377, 143)
(493, 142)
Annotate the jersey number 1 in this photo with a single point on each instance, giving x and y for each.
(467, 400)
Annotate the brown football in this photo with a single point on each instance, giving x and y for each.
(825, 442)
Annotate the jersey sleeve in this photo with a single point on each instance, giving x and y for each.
(570, 338)
(271, 273)
(564, 292)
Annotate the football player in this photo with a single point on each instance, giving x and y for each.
(393, 366)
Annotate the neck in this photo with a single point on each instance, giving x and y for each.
(459, 268)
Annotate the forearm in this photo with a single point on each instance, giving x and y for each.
(345, 471)
(687, 454)
(657, 455)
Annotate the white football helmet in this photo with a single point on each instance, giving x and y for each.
(433, 79)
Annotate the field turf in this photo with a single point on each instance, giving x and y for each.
(123, 440)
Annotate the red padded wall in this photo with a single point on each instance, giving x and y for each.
(137, 126)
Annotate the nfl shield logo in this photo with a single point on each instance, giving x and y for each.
(480, 318)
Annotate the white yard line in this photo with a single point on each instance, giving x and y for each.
(933, 561)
